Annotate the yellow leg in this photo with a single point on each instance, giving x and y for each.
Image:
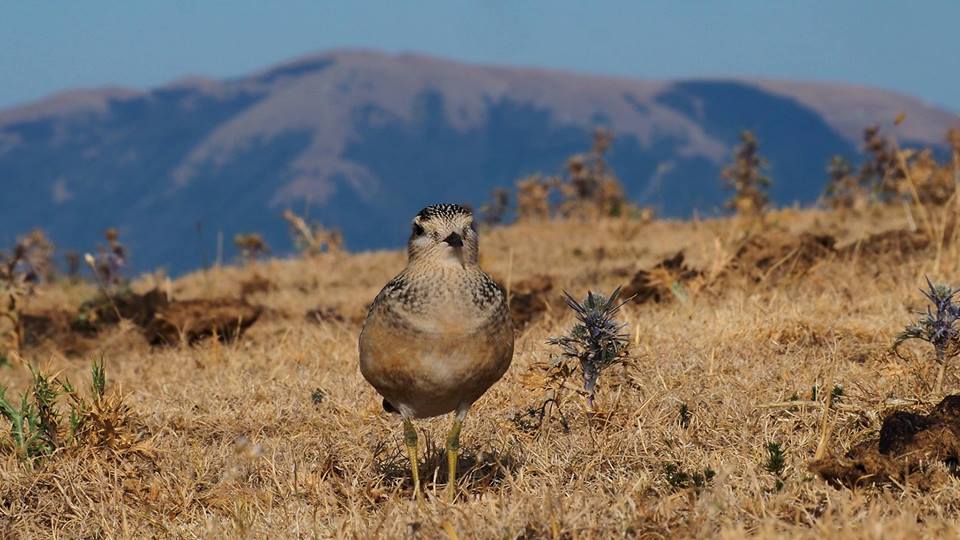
(453, 452)
(410, 441)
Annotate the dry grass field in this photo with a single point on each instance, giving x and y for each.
(277, 435)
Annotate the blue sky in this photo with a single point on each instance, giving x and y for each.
(911, 47)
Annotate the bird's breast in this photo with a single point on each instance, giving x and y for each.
(442, 357)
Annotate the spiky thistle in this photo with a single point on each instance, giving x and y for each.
(597, 340)
(938, 327)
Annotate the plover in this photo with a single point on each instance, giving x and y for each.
(439, 334)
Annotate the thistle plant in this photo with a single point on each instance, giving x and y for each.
(844, 189)
(880, 172)
(747, 177)
(311, 240)
(533, 197)
(252, 246)
(36, 419)
(597, 340)
(495, 211)
(591, 190)
(111, 260)
(27, 265)
(938, 327)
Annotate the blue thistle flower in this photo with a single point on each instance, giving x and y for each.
(597, 340)
(938, 326)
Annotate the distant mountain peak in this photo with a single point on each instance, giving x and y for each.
(362, 137)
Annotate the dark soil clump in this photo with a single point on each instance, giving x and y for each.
(908, 443)
(325, 314)
(897, 243)
(657, 284)
(190, 321)
(775, 256)
(529, 299)
(160, 320)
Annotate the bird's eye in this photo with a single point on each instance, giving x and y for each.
(417, 229)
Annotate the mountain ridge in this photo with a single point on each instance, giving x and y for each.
(365, 138)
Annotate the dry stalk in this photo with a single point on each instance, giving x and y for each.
(825, 426)
(91, 262)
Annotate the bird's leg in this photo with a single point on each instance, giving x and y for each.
(410, 441)
(453, 453)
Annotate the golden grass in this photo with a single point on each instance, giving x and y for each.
(240, 448)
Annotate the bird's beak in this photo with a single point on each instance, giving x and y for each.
(454, 240)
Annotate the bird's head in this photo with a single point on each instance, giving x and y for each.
(443, 233)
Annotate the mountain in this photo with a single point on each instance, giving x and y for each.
(364, 139)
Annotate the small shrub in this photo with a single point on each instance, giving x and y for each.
(684, 416)
(934, 183)
(680, 479)
(311, 240)
(532, 418)
(251, 245)
(776, 458)
(776, 462)
(894, 175)
(837, 393)
(953, 141)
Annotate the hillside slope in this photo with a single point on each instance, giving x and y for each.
(363, 139)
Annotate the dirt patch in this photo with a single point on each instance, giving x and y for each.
(54, 327)
(160, 320)
(101, 312)
(189, 321)
(659, 284)
(529, 299)
(325, 314)
(255, 285)
(775, 255)
(43, 325)
(890, 243)
(906, 446)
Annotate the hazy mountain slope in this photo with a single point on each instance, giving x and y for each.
(364, 139)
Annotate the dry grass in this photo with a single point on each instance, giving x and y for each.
(278, 435)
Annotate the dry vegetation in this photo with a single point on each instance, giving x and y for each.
(750, 399)
(708, 428)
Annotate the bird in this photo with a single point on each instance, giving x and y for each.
(439, 334)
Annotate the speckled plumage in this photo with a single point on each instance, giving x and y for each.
(439, 334)
(444, 211)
